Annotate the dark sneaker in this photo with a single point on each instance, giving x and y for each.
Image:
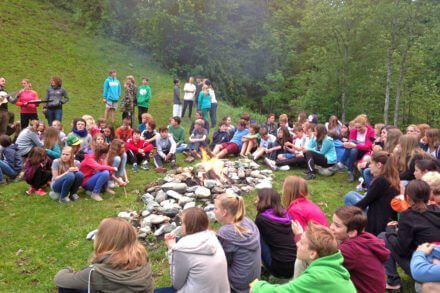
(310, 176)
(74, 197)
(350, 177)
(65, 200)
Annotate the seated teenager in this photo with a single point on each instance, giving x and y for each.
(52, 143)
(220, 136)
(250, 141)
(278, 248)
(119, 263)
(384, 187)
(320, 150)
(197, 261)
(408, 151)
(240, 240)
(205, 122)
(318, 248)
(124, 132)
(417, 225)
(117, 157)
(79, 129)
(197, 140)
(37, 171)
(295, 148)
(66, 177)
(166, 150)
(10, 160)
(138, 151)
(91, 126)
(360, 143)
(270, 124)
(267, 141)
(58, 126)
(433, 142)
(96, 172)
(28, 139)
(229, 127)
(425, 267)
(333, 125)
(364, 254)
(433, 179)
(109, 133)
(150, 134)
(234, 145)
(146, 119)
(178, 133)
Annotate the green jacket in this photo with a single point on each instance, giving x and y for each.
(178, 134)
(144, 96)
(325, 274)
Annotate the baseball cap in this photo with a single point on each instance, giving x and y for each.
(73, 140)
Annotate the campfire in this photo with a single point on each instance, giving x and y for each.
(187, 187)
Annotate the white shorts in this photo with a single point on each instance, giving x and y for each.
(111, 105)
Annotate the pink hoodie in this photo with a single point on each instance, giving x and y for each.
(304, 210)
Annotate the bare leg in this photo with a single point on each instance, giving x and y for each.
(217, 149)
(250, 146)
(430, 287)
(244, 148)
(106, 114)
(258, 153)
(222, 154)
(112, 115)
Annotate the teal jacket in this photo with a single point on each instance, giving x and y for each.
(144, 96)
(112, 89)
(54, 152)
(327, 149)
(325, 274)
(204, 101)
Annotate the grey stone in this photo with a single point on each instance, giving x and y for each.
(157, 219)
(189, 205)
(192, 188)
(147, 198)
(160, 196)
(246, 188)
(218, 189)
(178, 187)
(241, 174)
(145, 213)
(211, 216)
(152, 206)
(177, 232)
(209, 207)
(210, 183)
(189, 194)
(165, 228)
(167, 202)
(143, 232)
(128, 215)
(151, 189)
(264, 184)
(202, 192)
(184, 200)
(174, 194)
(170, 211)
(169, 178)
(234, 176)
(266, 172)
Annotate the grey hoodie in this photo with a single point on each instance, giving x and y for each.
(104, 278)
(243, 254)
(26, 140)
(198, 264)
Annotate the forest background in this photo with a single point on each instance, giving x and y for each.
(342, 57)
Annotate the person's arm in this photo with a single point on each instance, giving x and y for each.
(36, 140)
(375, 191)
(55, 152)
(147, 147)
(105, 89)
(179, 269)
(93, 164)
(159, 147)
(131, 145)
(173, 145)
(47, 98)
(301, 284)
(64, 97)
(422, 269)
(67, 278)
(404, 243)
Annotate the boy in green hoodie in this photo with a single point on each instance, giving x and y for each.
(325, 273)
(143, 98)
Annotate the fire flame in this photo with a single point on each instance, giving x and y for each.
(213, 163)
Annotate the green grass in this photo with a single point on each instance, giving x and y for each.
(40, 236)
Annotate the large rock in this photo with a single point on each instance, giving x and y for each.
(174, 194)
(202, 192)
(178, 187)
(157, 219)
(264, 184)
(184, 200)
(211, 216)
(160, 196)
(147, 198)
(129, 216)
(143, 232)
(209, 183)
(165, 228)
(191, 204)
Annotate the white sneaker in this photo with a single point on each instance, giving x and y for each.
(270, 163)
(96, 196)
(284, 168)
(54, 195)
(145, 165)
(111, 184)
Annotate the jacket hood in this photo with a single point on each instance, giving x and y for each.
(332, 262)
(204, 242)
(134, 280)
(250, 241)
(269, 214)
(368, 242)
(432, 215)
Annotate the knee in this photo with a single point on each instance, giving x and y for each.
(105, 174)
(116, 161)
(79, 176)
(70, 176)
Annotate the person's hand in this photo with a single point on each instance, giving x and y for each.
(392, 223)
(377, 148)
(44, 110)
(104, 100)
(73, 169)
(168, 157)
(296, 227)
(402, 188)
(170, 240)
(115, 168)
(304, 149)
(25, 103)
(141, 151)
(426, 248)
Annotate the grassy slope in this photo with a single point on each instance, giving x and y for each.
(40, 236)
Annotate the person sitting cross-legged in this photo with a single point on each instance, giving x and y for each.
(166, 150)
(235, 144)
(138, 151)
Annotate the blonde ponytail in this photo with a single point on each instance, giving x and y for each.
(234, 204)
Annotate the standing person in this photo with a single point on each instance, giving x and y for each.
(28, 111)
(128, 100)
(278, 248)
(188, 98)
(177, 103)
(364, 254)
(66, 177)
(197, 260)
(111, 94)
(56, 96)
(143, 98)
(325, 273)
(4, 99)
(199, 84)
(204, 101)
(240, 239)
(119, 263)
(213, 108)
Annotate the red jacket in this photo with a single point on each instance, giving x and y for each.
(364, 257)
(89, 167)
(141, 144)
(25, 97)
(304, 210)
(369, 139)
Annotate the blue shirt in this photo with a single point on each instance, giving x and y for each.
(238, 135)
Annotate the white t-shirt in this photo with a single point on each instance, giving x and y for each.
(212, 94)
(360, 137)
(190, 90)
(265, 143)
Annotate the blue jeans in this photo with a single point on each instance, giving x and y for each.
(393, 277)
(181, 148)
(165, 290)
(120, 163)
(98, 182)
(368, 177)
(68, 183)
(266, 256)
(55, 114)
(352, 198)
(349, 158)
(213, 114)
(8, 170)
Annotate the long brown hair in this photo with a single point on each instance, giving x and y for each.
(389, 170)
(51, 137)
(321, 132)
(234, 204)
(195, 220)
(37, 155)
(114, 150)
(294, 187)
(409, 145)
(64, 166)
(393, 136)
(269, 198)
(116, 243)
(100, 149)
